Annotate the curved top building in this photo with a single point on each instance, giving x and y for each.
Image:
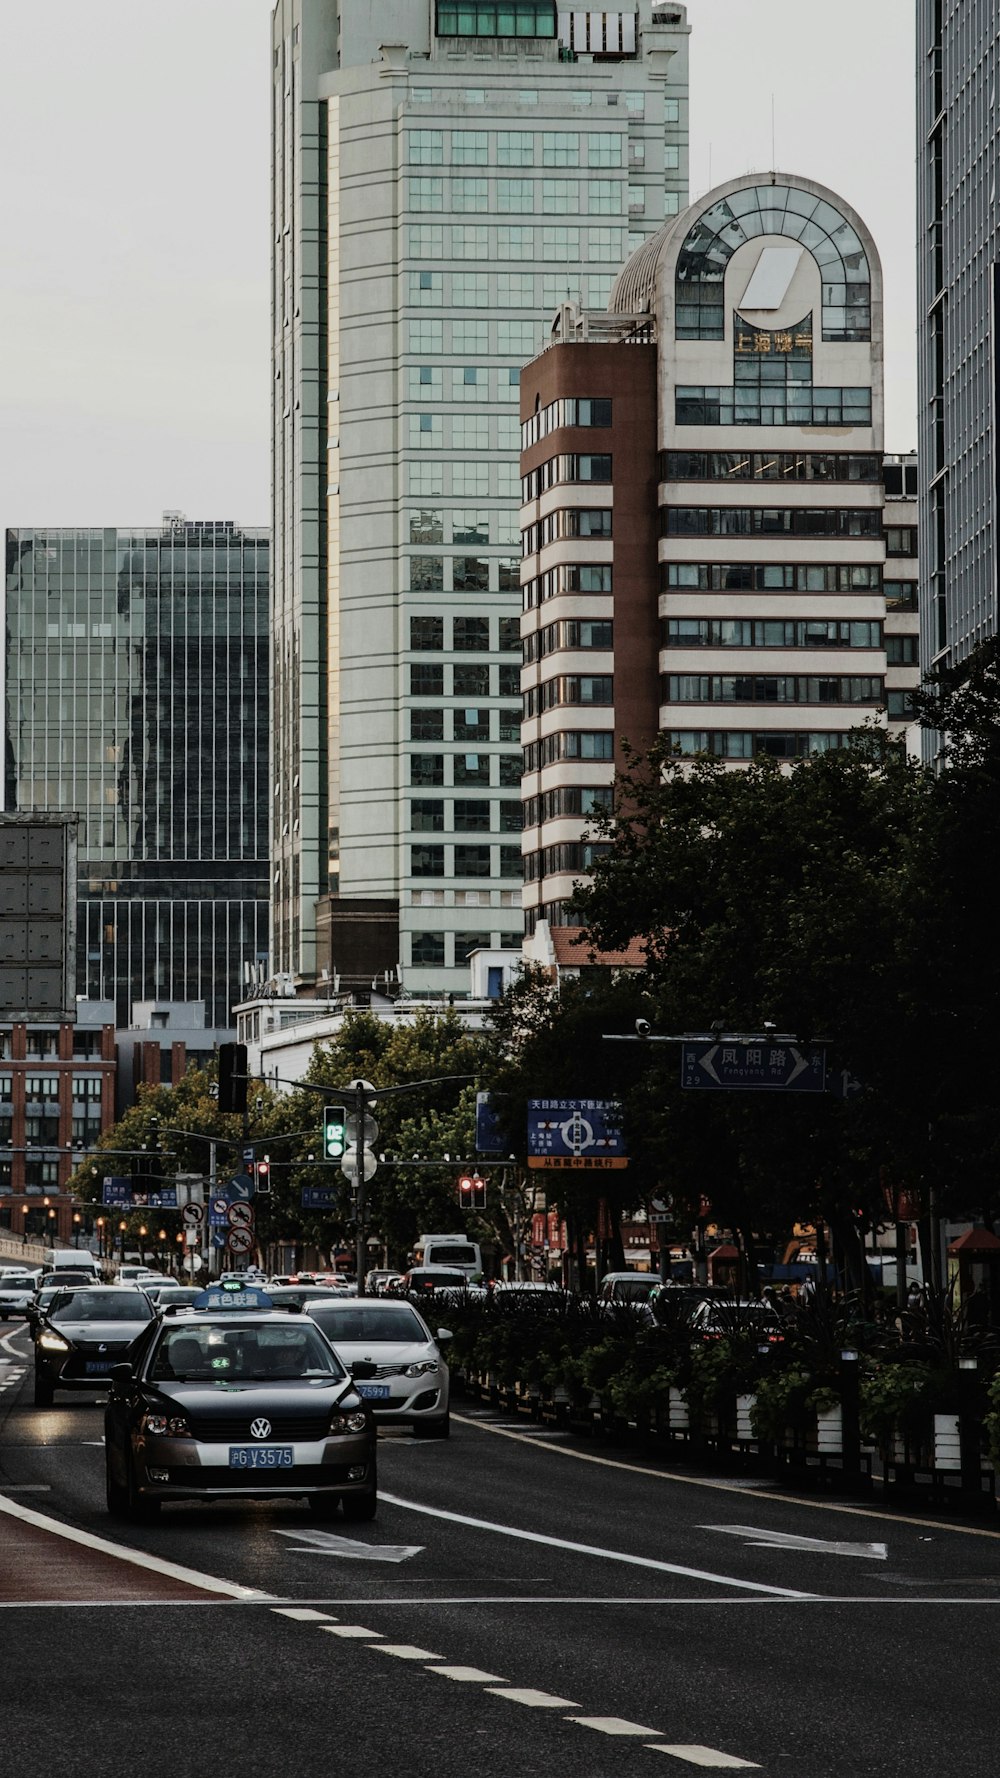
(705, 535)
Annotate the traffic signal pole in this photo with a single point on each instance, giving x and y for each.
(361, 1249)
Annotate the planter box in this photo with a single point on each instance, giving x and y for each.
(744, 1430)
(947, 1442)
(830, 1431)
(678, 1418)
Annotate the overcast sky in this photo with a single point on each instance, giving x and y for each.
(134, 147)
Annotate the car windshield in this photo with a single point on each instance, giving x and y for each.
(242, 1352)
(373, 1323)
(11, 1282)
(101, 1305)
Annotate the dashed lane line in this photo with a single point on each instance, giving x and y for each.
(532, 1699)
(406, 1651)
(613, 1725)
(354, 1632)
(467, 1675)
(696, 1755)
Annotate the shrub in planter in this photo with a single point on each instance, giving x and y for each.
(789, 1400)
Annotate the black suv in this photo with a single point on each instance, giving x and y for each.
(81, 1333)
(232, 1398)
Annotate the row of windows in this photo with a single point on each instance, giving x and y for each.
(704, 406)
(745, 632)
(518, 340)
(46, 1086)
(496, 18)
(470, 478)
(428, 948)
(520, 148)
(427, 525)
(568, 855)
(569, 744)
(469, 574)
(466, 431)
(566, 521)
(770, 466)
(772, 577)
(747, 744)
(769, 521)
(428, 770)
(632, 103)
(559, 197)
(468, 634)
(466, 861)
(572, 799)
(772, 688)
(506, 290)
(586, 467)
(570, 633)
(569, 688)
(467, 382)
(427, 680)
(585, 411)
(468, 815)
(569, 577)
(561, 242)
(467, 725)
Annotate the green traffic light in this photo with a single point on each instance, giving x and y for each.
(334, 1132)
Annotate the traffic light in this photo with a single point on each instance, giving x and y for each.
(472, 1191)
(334, 1132)
(233, 1077)
(262, 1176)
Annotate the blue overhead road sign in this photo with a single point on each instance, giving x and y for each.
(753, 1067)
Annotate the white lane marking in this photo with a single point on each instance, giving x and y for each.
(326, 1543)
(702, 1756)
(209, 1583)
(586, 1549)
(26, 1488)
(468, 1675)
(406, 1651)
(611, 1725)
(304, 1614)
(526, 1694)
(354, 1632)
(790, 1540)
(728, 1487)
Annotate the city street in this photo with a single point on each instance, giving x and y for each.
(523, 1602)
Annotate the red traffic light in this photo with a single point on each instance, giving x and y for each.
(466, 1185)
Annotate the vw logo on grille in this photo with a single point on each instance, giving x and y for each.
(260, 1428)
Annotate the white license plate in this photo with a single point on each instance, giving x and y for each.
(260, 1456)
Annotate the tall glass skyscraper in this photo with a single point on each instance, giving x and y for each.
(136, 693)
(958, 309)
(444, 175)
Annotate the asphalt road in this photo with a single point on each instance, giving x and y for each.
(523, 1604)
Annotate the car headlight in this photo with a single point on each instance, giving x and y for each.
(422, 1368)
(341, 1423)
(52, 1342)
(166, 1425)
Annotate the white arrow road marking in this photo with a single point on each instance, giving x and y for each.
(788, 1540)
(326, 1543)
(587, 1549)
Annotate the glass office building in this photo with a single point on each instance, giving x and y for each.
(136, 693)
(443, 176)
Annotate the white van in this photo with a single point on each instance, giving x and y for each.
(78, 1257)
(456, 1251)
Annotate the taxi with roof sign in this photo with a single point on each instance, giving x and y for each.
(231, 1397)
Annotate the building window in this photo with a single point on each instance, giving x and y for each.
(426, 526)
(426, 147)
(426, 192)
(509, 681)
(427, 861)
(604, 149)
(511, 862)
(472, 816)
(426, 574)
(901, 595)
(560, 148)
(470, 194)
(472, 861)
(901, 540)
(467, 942)
(426, 633)
(902, 651)
(426, 725)
(470, 148)
(496, 18)
(472, 682)
(426, 681)
(510, 635)
(427, 948)
(515, 148)
(426, 769)
(473, 768)
(472, 633)
(470, 574)
(510, 771)
(472, 725)
(470, 527)
(515, 197)
(511, 817)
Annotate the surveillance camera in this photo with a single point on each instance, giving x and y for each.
(642, 1027)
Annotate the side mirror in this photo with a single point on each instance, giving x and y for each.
(362, 1367)
(444, 1333)
(121, 1378)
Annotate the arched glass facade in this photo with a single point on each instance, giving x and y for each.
(784, 210)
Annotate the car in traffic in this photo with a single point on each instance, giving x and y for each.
(233, 1398)
(721, 1318)
(627, 1287)
(83, 1334)
(377, 1280)
(425, 1281)
(410, 1382)
(155, 1288)
(17, 1290)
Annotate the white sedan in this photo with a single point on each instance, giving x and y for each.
(395, 1359)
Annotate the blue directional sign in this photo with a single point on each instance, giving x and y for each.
(753, 1067)
(319, 1197)
(489, 1136)
(575, 1133)
(117, 1193)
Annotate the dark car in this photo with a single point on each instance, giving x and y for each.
(235, 1399)
(83, 1334)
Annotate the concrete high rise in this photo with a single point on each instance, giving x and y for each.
(707, 512)
(445, 172)
(958, 309)
(135, 692)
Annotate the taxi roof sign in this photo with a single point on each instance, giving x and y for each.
(232, 1293)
